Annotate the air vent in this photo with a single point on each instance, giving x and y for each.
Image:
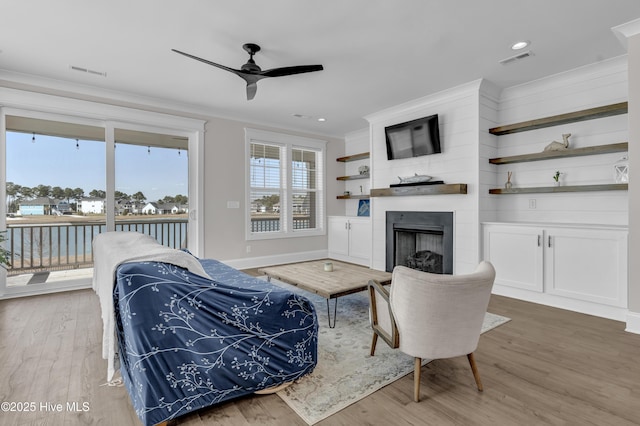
(517, 57)
(88, 71)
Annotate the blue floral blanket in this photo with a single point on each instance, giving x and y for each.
(186, 342)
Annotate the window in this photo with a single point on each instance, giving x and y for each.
(82, 150)
(285, 185)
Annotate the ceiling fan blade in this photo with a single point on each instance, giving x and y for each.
(238, 72)
(299, 69)
(252, 88)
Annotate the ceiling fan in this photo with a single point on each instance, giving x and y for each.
(252, 73)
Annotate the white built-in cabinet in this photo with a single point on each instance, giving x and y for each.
(350, 239)
(578, 267)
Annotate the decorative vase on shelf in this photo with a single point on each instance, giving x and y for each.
(507, 184)
(621, 170)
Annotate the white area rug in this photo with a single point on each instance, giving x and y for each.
(345, 372)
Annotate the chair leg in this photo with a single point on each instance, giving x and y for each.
(373, 343)
(416, 379)
(474, 368)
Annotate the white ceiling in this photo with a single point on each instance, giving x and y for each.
(375, 53)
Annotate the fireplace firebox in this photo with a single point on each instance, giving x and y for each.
(420, 240)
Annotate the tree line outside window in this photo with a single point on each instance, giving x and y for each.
(17, 194)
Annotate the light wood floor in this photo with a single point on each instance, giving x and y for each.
(546, 366)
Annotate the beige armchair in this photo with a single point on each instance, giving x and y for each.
(431, 316)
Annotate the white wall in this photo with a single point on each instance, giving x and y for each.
(458, 115)
(591, 86)
(487, 178)
(224, 228)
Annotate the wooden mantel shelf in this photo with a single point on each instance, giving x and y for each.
(450, 188)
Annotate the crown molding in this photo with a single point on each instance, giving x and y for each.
(627, 30)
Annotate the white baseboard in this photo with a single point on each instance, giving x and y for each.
(278, 259)
(590, 308)
(633, 322)
(40, 289)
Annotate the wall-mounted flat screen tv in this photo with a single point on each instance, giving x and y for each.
(413, 138)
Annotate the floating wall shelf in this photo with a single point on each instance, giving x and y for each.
(353, 177)
(354, 157)
(572, 152)
(562, 188)
(555, 120)
(352, 197)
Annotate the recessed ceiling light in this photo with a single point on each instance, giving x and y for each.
(310, 117)
(519, 45)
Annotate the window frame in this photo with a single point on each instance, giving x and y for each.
(287, 143)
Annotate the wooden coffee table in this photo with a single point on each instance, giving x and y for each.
(346, 278)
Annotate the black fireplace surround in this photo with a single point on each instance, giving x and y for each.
(436, 228)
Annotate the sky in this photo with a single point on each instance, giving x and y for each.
(56, 161)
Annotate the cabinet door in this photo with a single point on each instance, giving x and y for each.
(360, 239)
(516, 254)
(338, 229)
(587, 264)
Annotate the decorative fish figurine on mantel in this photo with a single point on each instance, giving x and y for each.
(416, 178)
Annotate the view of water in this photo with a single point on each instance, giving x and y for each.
(36, 244)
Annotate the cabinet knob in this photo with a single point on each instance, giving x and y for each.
(549, 241)
(539, 238)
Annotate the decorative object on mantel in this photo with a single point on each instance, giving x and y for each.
(363, 170)
(559, 146)
(416, 178)
(507, 185)
(429, 182)
(346, 193)
(556, 178)
(621, 170)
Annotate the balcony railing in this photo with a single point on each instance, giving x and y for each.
(51, 247)
(272, 223)
(56, 247)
